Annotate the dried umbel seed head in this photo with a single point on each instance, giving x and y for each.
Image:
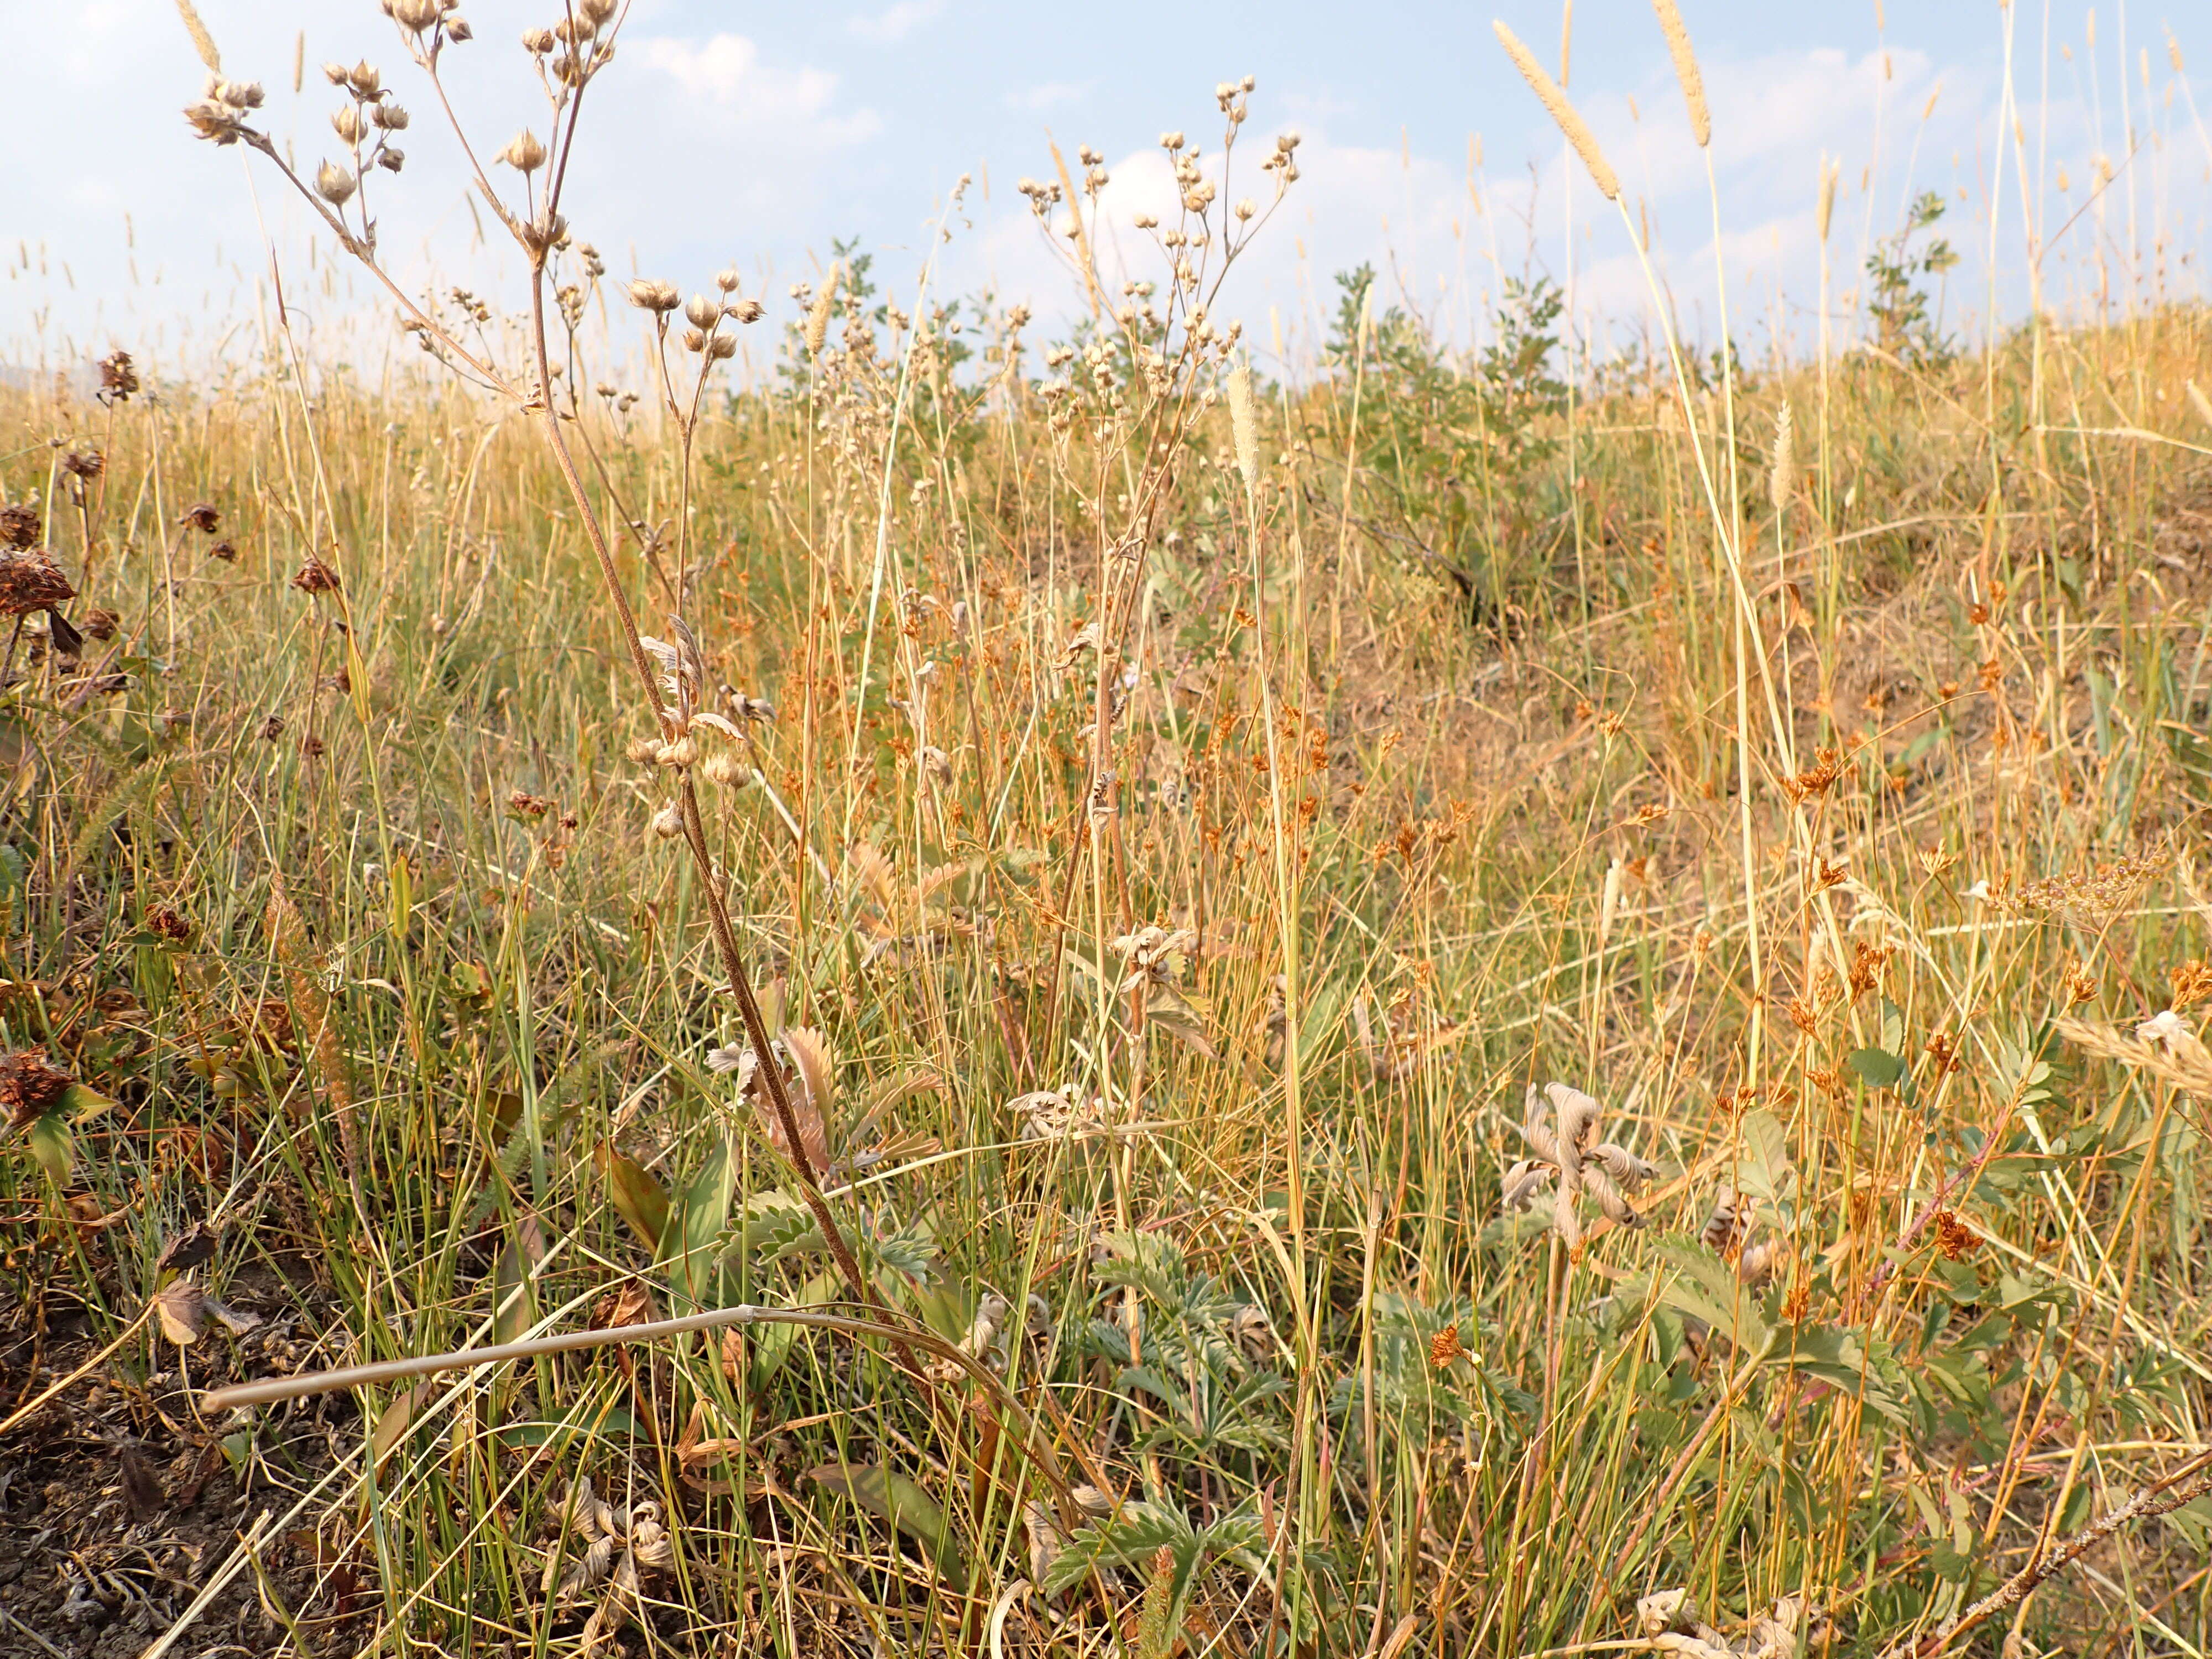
(118, 376)
(703, 312)
(30, 580)
(201, 516)
(316, 577)
(29, 1087)
(19, 525)
(647, 294)
(524, 152)
(334, 184)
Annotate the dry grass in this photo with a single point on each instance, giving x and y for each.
(1164, 889)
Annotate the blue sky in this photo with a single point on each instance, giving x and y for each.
(736, 134)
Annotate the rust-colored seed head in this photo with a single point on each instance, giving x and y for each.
(164, 922)
(29, 1087)
(224, 551)
(316, 577)
(19, 525)
(31, 580)
(272, 728)
(87, 463)
(1446, 1346)
(203, 517)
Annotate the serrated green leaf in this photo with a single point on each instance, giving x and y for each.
(1707, 1288)
(1877, 1068)
(1129, 1537)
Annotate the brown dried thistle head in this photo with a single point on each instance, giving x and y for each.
(201, 516)
(18, 525)
(29, 1087)
(316, 577)
(31, 580)
(86, 463)
(118, 377)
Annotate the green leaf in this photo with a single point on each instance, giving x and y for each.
(1765, 1169)
(695, 1221)
(637, 1195)
(890, 1495)
(771, 1344)
(511, 1297)
(1127, 1538)
(1878, 1068)
(1835, 1356)
(1707, 1288)
(52, 1144)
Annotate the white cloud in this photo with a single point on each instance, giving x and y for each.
(727, 71)
(889, 27)
(1049, 94)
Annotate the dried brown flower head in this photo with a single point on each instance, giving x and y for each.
(87, 463)
(311, 745)
(272, 728)
(31, 580)
(101, 625)
(29, 1087)
(163, 922)
(1446, 1346)
(1954, 1237)
(2191, 982)
(316, 577)
(19, 525)
(224, 551)
(647, 294)
(118, 377)
(525, 806)
(201, 516)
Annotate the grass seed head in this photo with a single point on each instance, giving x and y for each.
(1686, 70)
(1569, 122)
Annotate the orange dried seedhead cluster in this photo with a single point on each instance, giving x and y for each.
(2191, 982)
(1954, 1238)
(1817, 779)
(1446, 1346)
